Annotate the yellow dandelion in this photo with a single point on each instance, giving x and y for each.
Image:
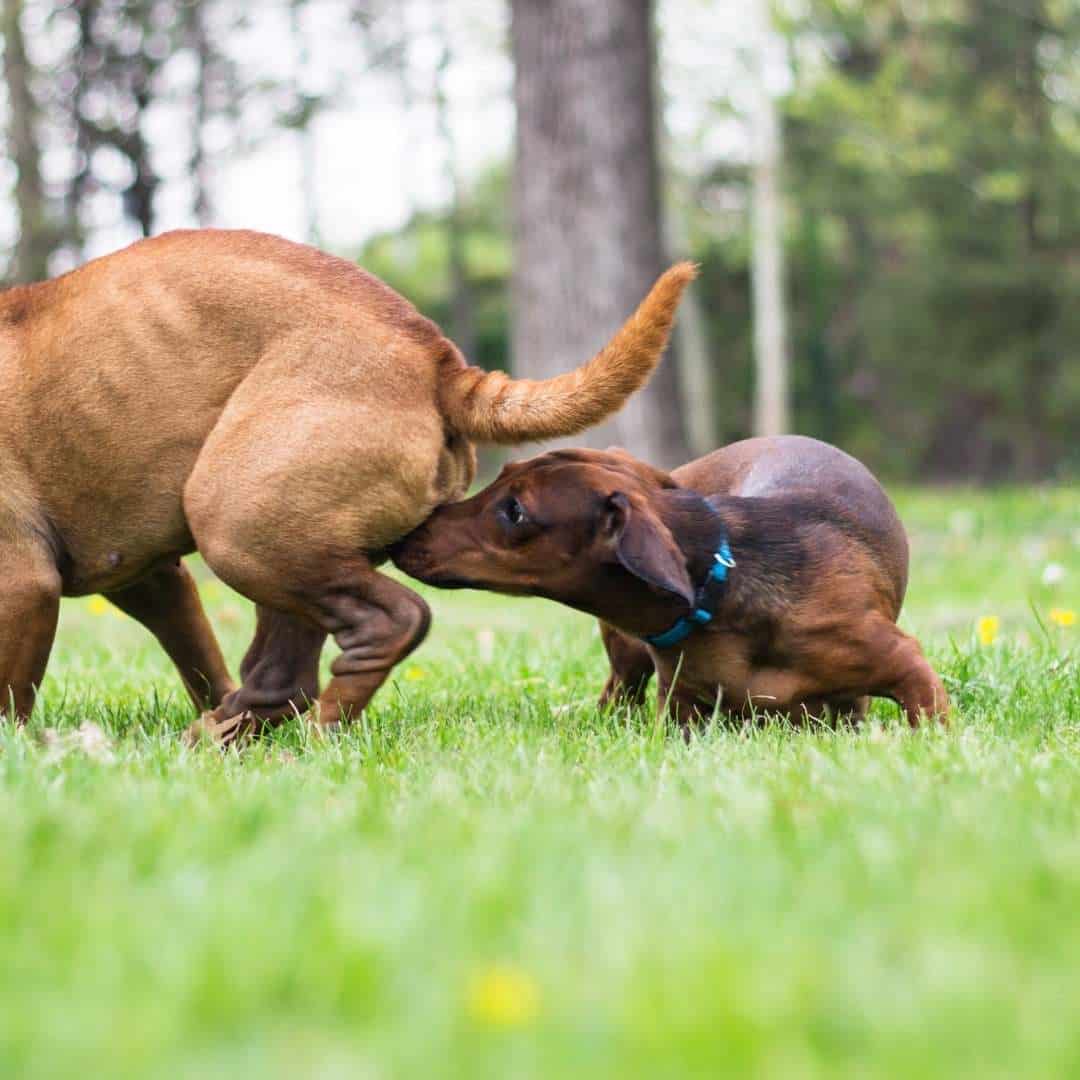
(414, 673)
(98, 606)
(1062, 616)
(502, 996)
(987, 628)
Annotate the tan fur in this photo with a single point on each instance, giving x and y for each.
(492, 407)
(278, 408)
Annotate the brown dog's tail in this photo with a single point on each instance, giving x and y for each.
(489, 406)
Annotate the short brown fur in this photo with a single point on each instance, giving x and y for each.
(280, 410)
(805, 623)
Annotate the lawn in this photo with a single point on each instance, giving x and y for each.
(487, 878)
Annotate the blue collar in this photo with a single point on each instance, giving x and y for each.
(701, 613)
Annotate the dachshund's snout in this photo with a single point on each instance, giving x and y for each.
(410, 552)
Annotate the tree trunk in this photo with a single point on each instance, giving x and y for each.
(30, 261)
(771, 408)
(81, 182)
(1040, 370)
(586, 201)
(138, 197)
(200, 171)
(462, 328)
(697, 377)
(304, 132)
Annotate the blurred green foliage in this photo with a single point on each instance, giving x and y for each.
(932, 176)
(934, 172)
(415, 260)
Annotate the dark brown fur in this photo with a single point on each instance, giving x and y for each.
(805, 624)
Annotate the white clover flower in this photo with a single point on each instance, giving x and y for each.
(1053, 574)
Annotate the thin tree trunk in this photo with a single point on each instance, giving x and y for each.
(1040, 369)
(139, 196)
(697, 381)
(771, 410)
(586, 201)
(304, 133)
(200, 173)
(816, 346)
(30, 261)
(79, 186)
(462, 328)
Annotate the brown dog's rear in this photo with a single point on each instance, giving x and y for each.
(768, 575)
(277, 408)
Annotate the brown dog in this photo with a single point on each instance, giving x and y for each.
(765, 576)
(280, 410)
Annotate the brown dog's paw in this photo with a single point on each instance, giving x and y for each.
(221, 730)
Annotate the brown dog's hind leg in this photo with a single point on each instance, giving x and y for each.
(309, 469)
(280, 678)
(30, 588)
(919, 691)
(902, 672)
(377, 622)
(631, 668)
(167, 603)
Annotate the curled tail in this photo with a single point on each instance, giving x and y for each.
(490, 406)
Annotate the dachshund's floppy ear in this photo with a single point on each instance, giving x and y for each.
(643, 544)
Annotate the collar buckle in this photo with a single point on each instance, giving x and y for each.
(723, 556)
(701, 614)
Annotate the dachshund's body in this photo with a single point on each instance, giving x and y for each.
(276, 408)
(803, 623)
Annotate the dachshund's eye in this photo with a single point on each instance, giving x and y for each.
(512, 512)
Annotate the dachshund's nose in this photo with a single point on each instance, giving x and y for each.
(410, 552)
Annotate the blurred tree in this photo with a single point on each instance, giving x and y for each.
(697, 381)
(208, 62)
(586, 200)
(37, 237)
(461, 302)
(416, 261)
(300, 116)
(124, 48)
(932, 189)
(771, 394)
(72, 107)
(934, 155)
(117, 53)
(413, 41)
(116, 69)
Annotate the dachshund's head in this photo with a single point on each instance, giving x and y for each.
(592, 529)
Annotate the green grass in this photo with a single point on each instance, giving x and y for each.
(487, 878)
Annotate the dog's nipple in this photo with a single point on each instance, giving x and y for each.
(115, 559)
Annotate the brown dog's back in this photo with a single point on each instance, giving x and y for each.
(114, 376)
(794, 465)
